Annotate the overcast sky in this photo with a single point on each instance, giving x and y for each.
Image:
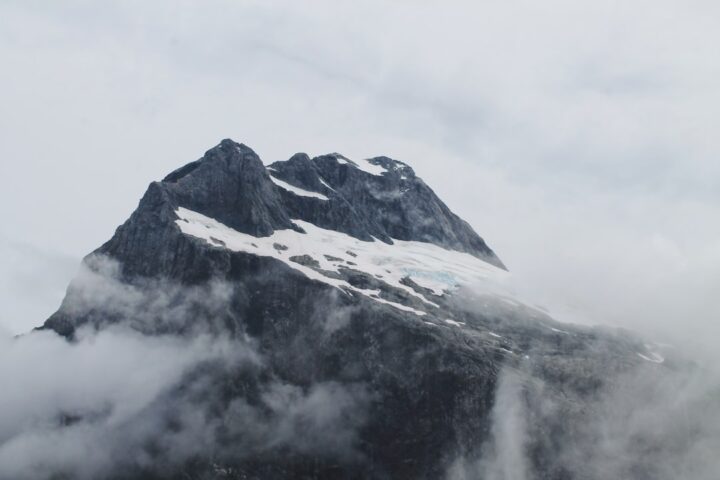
(579, 138)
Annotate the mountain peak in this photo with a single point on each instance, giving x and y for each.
(228, 144)
(379, 199)
(220, 157)
(333, 272)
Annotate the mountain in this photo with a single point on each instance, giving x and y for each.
(384, 339)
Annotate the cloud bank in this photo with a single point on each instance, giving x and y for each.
(169, 384)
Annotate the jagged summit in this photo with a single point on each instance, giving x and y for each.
(366, 226)
(378, 198)
(324, 211)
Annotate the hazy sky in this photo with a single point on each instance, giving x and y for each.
(577, 137)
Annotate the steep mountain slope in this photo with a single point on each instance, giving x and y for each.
(363, 296)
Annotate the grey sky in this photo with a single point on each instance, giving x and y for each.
(577, 137)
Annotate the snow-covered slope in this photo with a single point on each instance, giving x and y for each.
(322, 254)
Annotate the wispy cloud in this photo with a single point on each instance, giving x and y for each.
(137, 396)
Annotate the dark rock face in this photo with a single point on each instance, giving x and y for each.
(426, 388)
(395, 204)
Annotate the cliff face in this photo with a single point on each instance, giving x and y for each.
(351, 278)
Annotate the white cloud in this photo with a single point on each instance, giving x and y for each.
(577, 137)
(105, 380)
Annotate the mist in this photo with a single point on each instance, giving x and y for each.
(149, 393)
(645, 425)
(68, 407)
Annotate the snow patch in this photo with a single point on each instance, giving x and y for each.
(326, 184)
(297, 191)
(363, 165)
(371, 257)
(334, 250)
(653, 357)
(557, 330)
(330, 249)
(436, 281)
(453, 322)
(448, 268)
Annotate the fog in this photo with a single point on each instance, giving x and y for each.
(111, 404)
(644, 425)
(128, 397)
(106, 381)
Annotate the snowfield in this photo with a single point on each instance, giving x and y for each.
(296, 190)
(438, 269)
(363, 165)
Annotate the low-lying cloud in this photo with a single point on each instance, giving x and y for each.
(659, 424)
(68, 405)
(168, 383)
